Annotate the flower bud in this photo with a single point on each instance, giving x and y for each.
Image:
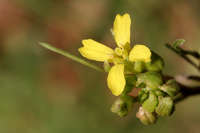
(145, 117)
(171, 88)
(122, 106)
(152, 80)
(150, 103)
(156, 64)
(165, 106)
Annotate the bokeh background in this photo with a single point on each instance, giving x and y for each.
(42, 92)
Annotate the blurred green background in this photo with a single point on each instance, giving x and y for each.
(42, 92)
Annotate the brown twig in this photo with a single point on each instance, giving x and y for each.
(183, 53)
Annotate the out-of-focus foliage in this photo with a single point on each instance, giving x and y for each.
(45, 93)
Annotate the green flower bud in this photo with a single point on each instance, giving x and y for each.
(156, 64)
(146, 117)
(107, 66)
(165, 106)
(150, 103)
(177, 43)
(152, 80)
(122, 106)
(171, 88)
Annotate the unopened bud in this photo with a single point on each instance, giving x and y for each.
(150, 103)
(165, 106)
(171, 88)
(152, 80)
(122, 106)
(145, 117)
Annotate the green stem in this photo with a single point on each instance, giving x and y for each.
(70, 56)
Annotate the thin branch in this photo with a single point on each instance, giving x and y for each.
(70, 56)
(183, 55)
(192, 53)
(186, 92)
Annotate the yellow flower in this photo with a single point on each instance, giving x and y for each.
(96, 51)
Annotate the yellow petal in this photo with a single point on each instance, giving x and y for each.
(116, 80)
(140, 53)
(121, 29)
(95, 51)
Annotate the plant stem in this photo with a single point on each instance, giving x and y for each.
(70, 56)
(187, 91)
(183, 55)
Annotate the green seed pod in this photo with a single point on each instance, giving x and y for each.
(165, 106)
(150, 103)
(122, 106)
(152, 80)
(145, 117)
(171, 88)
(156, 64)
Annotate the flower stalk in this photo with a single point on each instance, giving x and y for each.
(70, 56)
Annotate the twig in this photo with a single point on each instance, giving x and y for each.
(187, 92)
(193, 53)
(182, 53)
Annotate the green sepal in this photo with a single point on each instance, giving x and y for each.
(106, 66)
(152, 80)
(130, 83)
(122, 105)
(138, 67)
(150, 103)
(165, 106)
(159, 93)
(142, 96)
(146, 117)
(134, 67)
(171, 88)
(156, 64)
(177, 43)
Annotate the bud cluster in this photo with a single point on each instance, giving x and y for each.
(155, 95)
